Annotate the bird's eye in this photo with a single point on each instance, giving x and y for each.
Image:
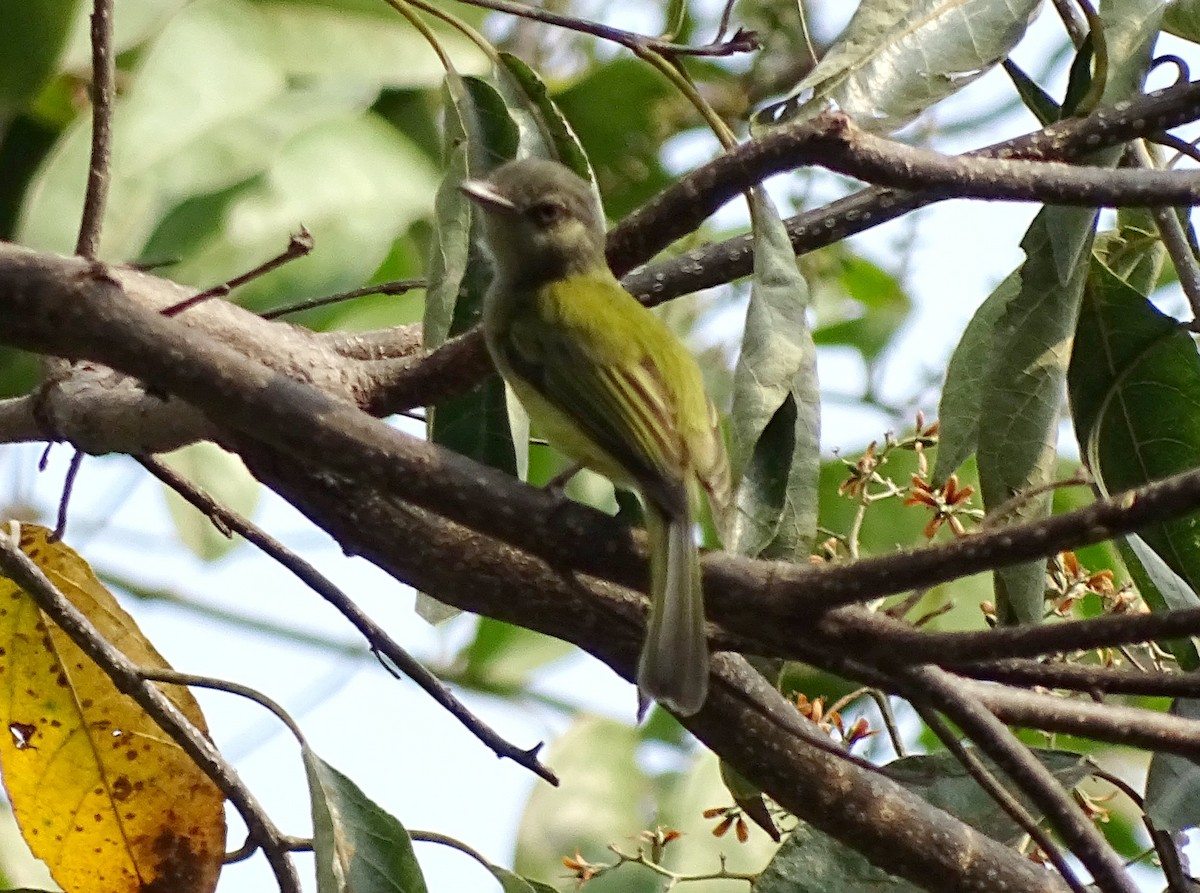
(546, 213)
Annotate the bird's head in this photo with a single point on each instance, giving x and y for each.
(541, 221)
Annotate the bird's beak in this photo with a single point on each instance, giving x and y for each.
(485, 193)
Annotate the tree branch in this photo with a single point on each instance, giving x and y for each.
(744, 720)
(937, 688)
(100, 163)
(772, 603)
(381, 643)
(674, 212)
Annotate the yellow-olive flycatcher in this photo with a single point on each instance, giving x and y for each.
(610, 386)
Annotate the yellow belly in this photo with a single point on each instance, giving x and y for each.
(566, 437)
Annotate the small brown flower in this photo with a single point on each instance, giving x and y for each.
(815, 711)
(861, 472)
(948, 503)
(860, 731)
(581, 869)
(1094, 807)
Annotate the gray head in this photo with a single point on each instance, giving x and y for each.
(541, 221)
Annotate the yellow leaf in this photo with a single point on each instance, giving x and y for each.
(101, 794)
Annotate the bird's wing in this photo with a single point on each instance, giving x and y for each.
(711, 461)
(600, 373)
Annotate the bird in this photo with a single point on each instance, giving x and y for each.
(612, 388)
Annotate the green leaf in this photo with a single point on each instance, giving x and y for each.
(1080, 79)
(176, 99)
(479, 133)
(776, 403)
(898, 57)
(677, 11)
(352, 181)
(812, 862)
(32, 36)
(555, 137)
(1182, 18)
(514, 883)
(1135, 401)
(475, 424)
(1023, 385)
(1028, 358)
(941, 779)
(221, 475)
(1131, 29)
(451, 243)
(966, 380)
(20, 372)
(623, 147)
(1163, 590)
(1173, 782)
(1133, 251)
(209, 108)
(1037, 100)
(135, 22)
(502, 657)
(359, 848)
(601, 800)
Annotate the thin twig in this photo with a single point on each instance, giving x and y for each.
(379, 640)
(64, 501)
(1182, 147)
(1176, 241)
(129, 680)
(163, 674)
(726, 17)
(881, 700)
(1165, 848)
(1114, 723)
(395, 287)
(100, 162)
(681, 207)
(740, 42)
(1076, 27)
(874, 635)
(299, 244)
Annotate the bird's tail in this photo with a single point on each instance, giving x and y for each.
(673, 669)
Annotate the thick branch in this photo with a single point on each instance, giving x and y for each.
(686, 204)
(774, 603)
(744, 720)
(101, 411)
(1093, 679)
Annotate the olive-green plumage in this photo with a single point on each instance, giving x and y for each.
(610, 386)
